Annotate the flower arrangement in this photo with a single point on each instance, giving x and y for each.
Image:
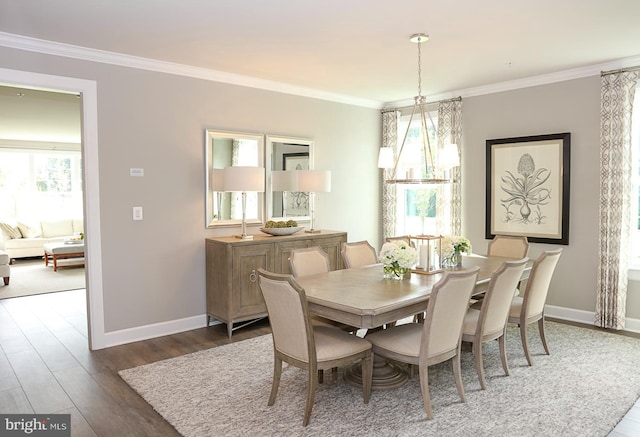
(452, 247)
(398, 257)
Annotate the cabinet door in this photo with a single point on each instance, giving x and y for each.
(247, 297)
(332, 246)
(283, 252)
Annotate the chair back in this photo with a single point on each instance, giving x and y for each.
(404, 238)
(288, 315)
(448, 304)
(497, 301)
(535, 295)
(308, 261)
(508, 246)
(358, 254)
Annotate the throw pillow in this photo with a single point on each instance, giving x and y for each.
(29, 231)
(10, 231)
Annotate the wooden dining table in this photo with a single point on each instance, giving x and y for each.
(362, 297)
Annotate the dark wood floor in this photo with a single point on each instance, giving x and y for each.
(47, 367)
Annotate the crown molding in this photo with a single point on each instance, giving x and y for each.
(83, 53)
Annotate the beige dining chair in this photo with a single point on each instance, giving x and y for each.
(309, 261)
(358, 254)
(436, 340)
(490, 321)
(530, 308)
(509, 246)
(312, 348)
(404, 238)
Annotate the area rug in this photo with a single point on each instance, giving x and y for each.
(30, 276)
(583, 388)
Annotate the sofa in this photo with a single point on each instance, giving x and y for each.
(20, 240)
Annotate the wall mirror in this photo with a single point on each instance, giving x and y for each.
(224, 149)
(287, 153)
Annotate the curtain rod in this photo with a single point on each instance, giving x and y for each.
(619, 70)
(453, 99)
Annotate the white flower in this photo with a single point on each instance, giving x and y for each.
(453, 243)
(398, 253)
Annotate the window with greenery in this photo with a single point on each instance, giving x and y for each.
(416, 204)
(39, 184)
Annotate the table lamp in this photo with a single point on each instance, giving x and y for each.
(313, 181)
(243, 179)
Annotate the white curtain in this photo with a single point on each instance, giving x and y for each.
(616, 106)
(389, 191)
(448, 200)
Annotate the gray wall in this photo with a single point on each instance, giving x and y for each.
(570, 106)
(154, 270)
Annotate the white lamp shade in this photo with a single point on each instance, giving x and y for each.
(216, 181)
(449, 157)
(314, 181)
(385, 157)
(244, 179)
(284, 180)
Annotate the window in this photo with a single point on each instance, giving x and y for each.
(415, 204)
(37, 184)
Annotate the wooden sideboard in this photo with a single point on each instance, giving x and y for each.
(233, 294)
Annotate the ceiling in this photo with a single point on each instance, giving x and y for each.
(356, 48)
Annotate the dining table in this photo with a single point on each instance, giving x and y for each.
(362, 297)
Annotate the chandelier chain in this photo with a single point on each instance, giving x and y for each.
(419, 68)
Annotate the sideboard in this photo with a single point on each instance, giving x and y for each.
(233, 294)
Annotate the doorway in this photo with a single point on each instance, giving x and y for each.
(87, 90)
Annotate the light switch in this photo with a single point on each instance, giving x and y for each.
(139, 172)
(137, 213)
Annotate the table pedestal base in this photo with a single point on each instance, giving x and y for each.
(386, 376)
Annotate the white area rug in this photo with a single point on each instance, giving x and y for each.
(30, 276)
(583, 388)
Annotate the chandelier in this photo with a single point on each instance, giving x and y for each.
(433, 171)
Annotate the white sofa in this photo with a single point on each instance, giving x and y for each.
(20, 240)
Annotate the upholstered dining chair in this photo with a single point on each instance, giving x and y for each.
(530, 308)
(358, 254)
(312, 261)
(508, 246)
(490, 321)
(312, 348)
(404, 238)
(436, 340)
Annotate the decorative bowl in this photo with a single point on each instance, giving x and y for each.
(281, 231)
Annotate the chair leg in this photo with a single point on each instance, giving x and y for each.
(320, 376)
(503, 352)
(6, 280)
(311, 392)
(423, 370)
(477, 354)
(525, 343)
(277, 371)
(367, 376)
(457, 374)
(542, 337)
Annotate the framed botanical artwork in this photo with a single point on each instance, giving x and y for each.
(295, 204)
(528, 187)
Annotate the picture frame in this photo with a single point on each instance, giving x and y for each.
(527, 187)
(295, 204)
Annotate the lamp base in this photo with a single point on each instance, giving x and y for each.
(313, 231)
(244, 237)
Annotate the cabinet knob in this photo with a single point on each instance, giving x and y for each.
(253, 277)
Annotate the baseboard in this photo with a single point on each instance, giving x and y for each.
(146, 332)
(154, 330)
(586, 317)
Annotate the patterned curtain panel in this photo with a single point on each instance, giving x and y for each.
(616, 106)
(448, 200)
(389, 139)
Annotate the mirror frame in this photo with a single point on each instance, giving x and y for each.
(269, 142)
(209, 136)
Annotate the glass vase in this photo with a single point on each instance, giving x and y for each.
(453, 261)
(397, 273)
